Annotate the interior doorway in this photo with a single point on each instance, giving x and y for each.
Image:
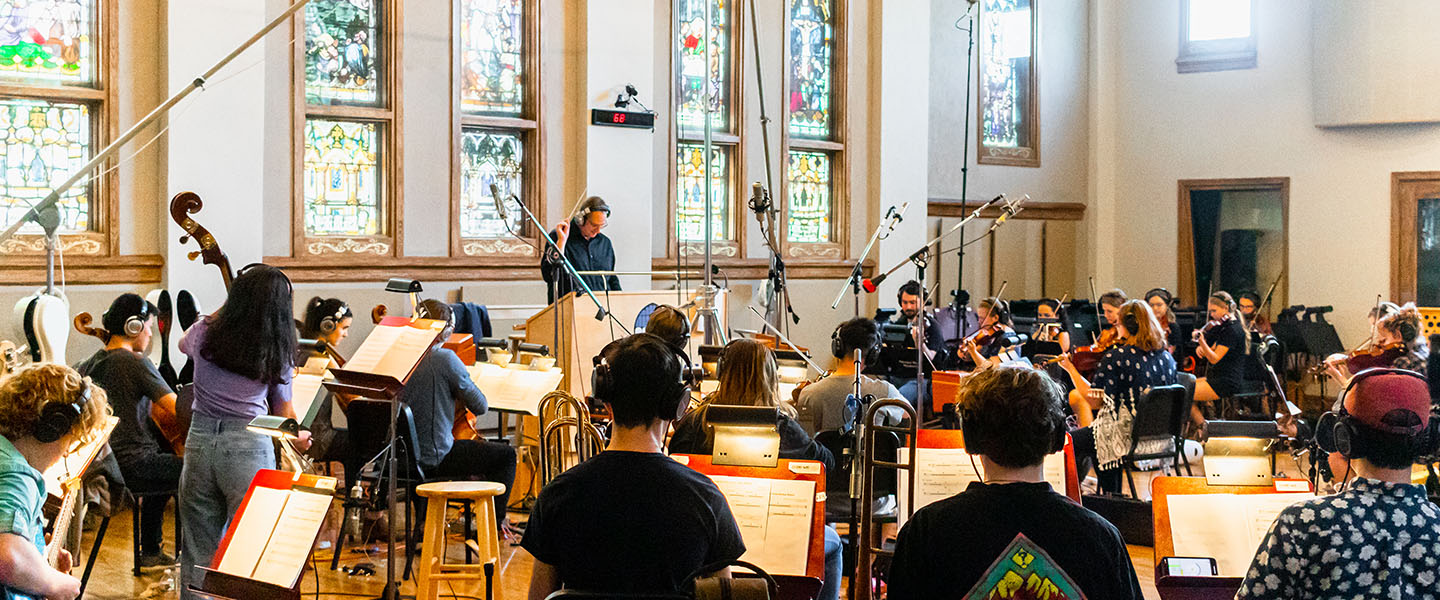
(1415, 237)
(1234, 236)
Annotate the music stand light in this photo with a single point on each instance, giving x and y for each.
(745, 436)
(400, 285)
(1239, 453)
(285, 430)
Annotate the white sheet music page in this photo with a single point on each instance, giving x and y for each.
(774, 516)
(393, 351)
(939, 474)
(295, 530)
(253, 532)
(306, 394)
(1226, 527)
(373, 349)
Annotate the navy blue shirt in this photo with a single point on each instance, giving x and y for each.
(431, 392)
(594, 254)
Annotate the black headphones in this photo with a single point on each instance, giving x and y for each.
(1131, 323)
(867, 353)
(674, 400)
(979, 444)
(134, 324)
(1337, 431)
(1001, 311)
(332, 322)
(1164, 294)
(56, 418)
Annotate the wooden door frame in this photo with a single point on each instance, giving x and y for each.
(1406, 188)
(1185, 251)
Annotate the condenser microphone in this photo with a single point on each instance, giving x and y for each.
(758, 203)
(499, 202)
(870, 285)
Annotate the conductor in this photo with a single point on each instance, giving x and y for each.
(589, 251)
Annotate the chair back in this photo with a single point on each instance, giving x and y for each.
(1160, 413)
(369, 422)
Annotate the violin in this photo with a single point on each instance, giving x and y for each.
(1087, 358)
(1367, 357)
(162, 410)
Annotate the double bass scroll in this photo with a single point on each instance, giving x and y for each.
(182, 206)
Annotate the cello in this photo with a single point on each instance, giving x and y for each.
(162, 410)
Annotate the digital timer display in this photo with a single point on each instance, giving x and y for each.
(622, 118)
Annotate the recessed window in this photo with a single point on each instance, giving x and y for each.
(1216, 35)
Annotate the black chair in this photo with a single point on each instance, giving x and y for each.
(1161, 413)
(369, 431)
(140, 499)
(1258, 399)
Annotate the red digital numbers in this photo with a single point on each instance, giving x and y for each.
(618, 118)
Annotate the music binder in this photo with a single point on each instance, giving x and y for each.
(269, 539)
(382, 364)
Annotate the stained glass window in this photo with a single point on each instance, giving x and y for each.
(812, 46)
(491, 46)
(809, 205)
(41, 143)
(341, 62)
(47, 41)
(690, 116)
(342, 187)
(488, 157)
(1005, 73)
(690, 179)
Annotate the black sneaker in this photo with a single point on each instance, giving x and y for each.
(158, 560)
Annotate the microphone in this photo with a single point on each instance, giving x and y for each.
(499, 202)
(870, 285)
(758, 202)
(1010, 210)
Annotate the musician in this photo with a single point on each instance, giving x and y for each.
(670, 324)
(439, 384)
(1012, 419)
(1222, 344)
(1398, 344)
(244, 357)
(985, 346)
(589, 251)
(912, 298)
(631, 520)
(133, 384)
(1050, 324)
(1161, 302)
(45, 410)
(1110, 303)
(327, 320)
(1374, 539)
(1249, 304)
(748, 377)
(822, 404)
(1138, 362)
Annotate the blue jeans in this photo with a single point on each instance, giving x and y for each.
(221, 457)
(834, 563)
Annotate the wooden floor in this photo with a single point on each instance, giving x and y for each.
(112, 580)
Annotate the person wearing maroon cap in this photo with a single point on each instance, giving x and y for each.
(1379, 537)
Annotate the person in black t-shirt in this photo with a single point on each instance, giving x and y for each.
(133, 385)
(1012, 524)
(631, 520)
(1222, 344)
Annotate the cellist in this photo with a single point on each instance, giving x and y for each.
(431, 392)
(133, 384)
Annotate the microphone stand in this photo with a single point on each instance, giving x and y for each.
(962, 312)
(925, 249)
(762, 203)
(569, 268)
(882, 231)
(857, 432)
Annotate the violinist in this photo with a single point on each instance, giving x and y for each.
(1050, 325)
(1398, 344)
(983, 348)
(1110, 303)
(438, 383)
(1249, 304)
(1137, 362)
(1222, 344)
(326, 320)
(1160, 302)
(913, 299)
(133, 384)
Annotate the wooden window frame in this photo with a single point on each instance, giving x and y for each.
(731, 142)
(346, 250)
(102, 240)
(1185, 246)
(1214, 55)
(1026, 154)
(506, 250)
(838, 248)
(1406, 190)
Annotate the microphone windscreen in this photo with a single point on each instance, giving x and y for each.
(868, 285)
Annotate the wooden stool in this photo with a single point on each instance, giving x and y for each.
(433, 568)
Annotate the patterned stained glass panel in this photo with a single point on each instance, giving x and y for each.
(690, 15)
(812, 50)
(41, 143)
(47, 41)
(1005, 73)
(492, 37)
(488, 157)
(342, 180)
(810, 197)
(690, 179)
(342, 65)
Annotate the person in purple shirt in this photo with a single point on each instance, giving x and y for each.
(244, 361)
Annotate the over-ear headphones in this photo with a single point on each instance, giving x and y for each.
(1337, 431)
(134, 324)
(868, 353)
(1132, 324)
(56, 418)
(673, 400)
(1163, 294)
(331, 322)
(592, 204)
(979, 444)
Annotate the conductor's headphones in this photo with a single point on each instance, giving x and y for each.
(57, 418)
(975, 443)
(1338, 431)
(674, 399)
(592, 204)
(869, 348)
(134, 324)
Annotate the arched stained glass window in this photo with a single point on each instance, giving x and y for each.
(695, 79)
(690, 181)
(342, 38)
(812, 47)
(816, 139)
(1008, 134)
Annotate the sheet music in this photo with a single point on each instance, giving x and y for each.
(514, 390)
(306, 394)
(295, 530)
(373, 349)
(392, 351)
(775, 517)
(943, 472)
(256, 526)
(1226, 527)
(73, 465)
